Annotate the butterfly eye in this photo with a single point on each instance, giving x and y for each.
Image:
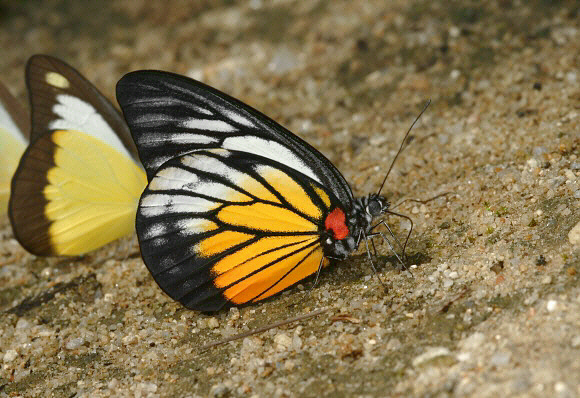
(374, 208)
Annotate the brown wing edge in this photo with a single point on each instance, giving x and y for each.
(27, 203)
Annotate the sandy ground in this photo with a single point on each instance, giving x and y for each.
(491, 306)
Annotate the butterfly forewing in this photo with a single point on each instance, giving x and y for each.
(218, 226)
(77, 184)
(62, 99)
(170, 115)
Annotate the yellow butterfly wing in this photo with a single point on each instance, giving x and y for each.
(77, 185)
(13, 132)
(220, 227)
(74, 193)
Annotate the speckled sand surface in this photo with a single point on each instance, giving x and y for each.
(493, 306)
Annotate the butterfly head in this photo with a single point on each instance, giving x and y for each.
(343, 229)
(376, 205)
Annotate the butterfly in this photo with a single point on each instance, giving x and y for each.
(237, 208)
(13, 139)
(78, 183)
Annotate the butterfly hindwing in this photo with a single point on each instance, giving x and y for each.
(77, 184)
(170, 115)
(13, 138)
(218, 226)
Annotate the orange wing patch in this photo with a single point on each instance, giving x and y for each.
(265, 217)
(221, 242)
(251, 258)
(275, 277)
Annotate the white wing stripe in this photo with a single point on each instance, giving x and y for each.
(192, 226)
(149, 140)
(208, 125)
(236, 117)
(269, 149)
(156, 229)
(212, 165)
(76, 114)
(156, 199)
(158, 204)
(172, 178)
(150, 119)
(164, 102)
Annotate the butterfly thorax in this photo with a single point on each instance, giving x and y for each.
(345, 230)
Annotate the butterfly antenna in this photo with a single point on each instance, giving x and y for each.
(402, 145)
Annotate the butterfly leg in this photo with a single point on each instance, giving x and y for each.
(315, 280)
(403, 265)
(401, 246)
(408, 234)
(373, 245)
(370, 237)
(375, 270)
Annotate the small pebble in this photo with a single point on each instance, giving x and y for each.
(463, 356)
(551, 306)
(430, 354)
(560, 387)
(570, 175)
(447, 283)
(454, 32)
(213, 323)
(282, 341)
(394, 344)
(129, 339)
(576, 341)
(219, 390)
(22, 324)
(296, 343)
(75, 343)
(10, 356)
(500, 358)
(574, 235)
(473, 342)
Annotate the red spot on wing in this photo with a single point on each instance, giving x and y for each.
(336, 222)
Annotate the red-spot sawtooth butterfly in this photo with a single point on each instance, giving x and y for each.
(78, 183)
(237, 207)
(13, 139)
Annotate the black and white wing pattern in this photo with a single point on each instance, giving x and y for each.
(171, 115)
